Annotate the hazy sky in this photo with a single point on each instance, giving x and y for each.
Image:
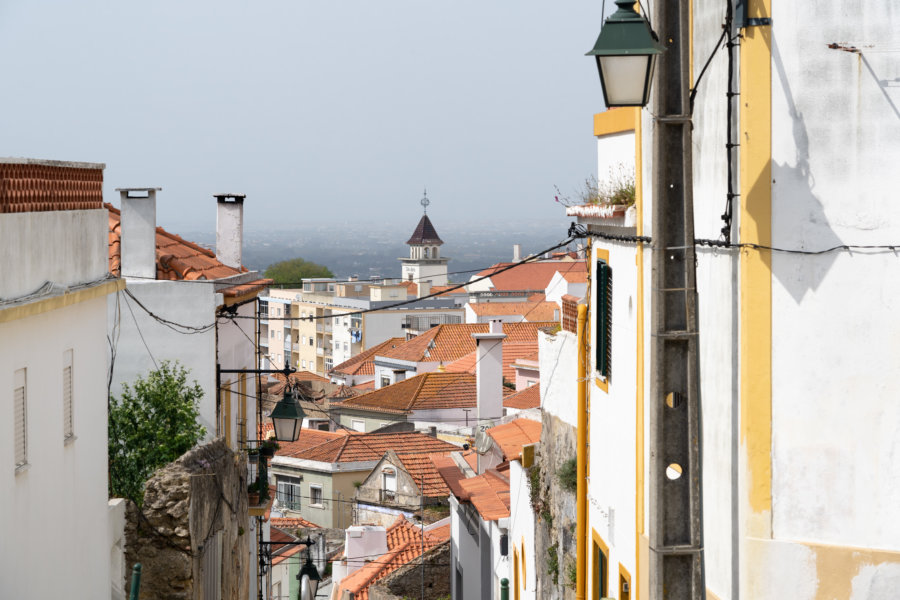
(337, 111)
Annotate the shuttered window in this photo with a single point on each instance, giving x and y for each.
(604, 319)
(20, 418)
(67, 394)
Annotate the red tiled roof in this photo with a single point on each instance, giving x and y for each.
(449, 472)
(530, 397)
(372, 446)
(425, 475)
(289, 523)
(530, 311)
(33, 185)
(178, 259)
(433, 390)
(366, 386)
(405, 543)
(343, 391)
(309, 438)
(489, 494)
(278, 386)
(511, 354)
(515, 434)
(362, 363)
(573, 276)
(449, 342)
(530, 276)
(282, 556)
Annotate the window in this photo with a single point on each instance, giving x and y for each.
(388, 485)
(303, 362)
(345, 346)
(603, 332)
(358, 425)
(288, 491)
(315, 495)
(385, 380)
(600, 567)
(20, 418)
(67, 393)
(310, 341)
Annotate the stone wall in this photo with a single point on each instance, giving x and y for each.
(406, 582)
(555, 510)
(192, 531)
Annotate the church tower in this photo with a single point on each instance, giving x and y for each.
(425, 262)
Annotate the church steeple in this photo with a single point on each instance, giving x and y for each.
(425, 261)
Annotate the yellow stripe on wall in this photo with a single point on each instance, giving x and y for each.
(756, 268)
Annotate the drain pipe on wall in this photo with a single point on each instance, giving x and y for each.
(581, 453)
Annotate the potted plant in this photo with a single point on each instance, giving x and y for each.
(268, 448)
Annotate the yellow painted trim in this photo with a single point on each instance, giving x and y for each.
(639, 375)
(615, 120)
(600, 545)
(524, 563)
(624, 574)
(581, 458)
(756, 267)
(31, 309)
(601, 254)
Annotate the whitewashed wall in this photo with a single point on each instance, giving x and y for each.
(521, 531)
(60, 498)
(558, 357)
(179, 301)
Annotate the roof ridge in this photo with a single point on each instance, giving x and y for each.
(418, 391)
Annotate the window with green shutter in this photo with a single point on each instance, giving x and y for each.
(603, 322)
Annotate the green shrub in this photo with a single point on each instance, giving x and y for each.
(568, 475)
(553, 563)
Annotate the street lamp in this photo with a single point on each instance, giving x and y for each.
(287, 416)
(310, 573)
(626, 52)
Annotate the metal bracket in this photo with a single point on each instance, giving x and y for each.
(758, 22)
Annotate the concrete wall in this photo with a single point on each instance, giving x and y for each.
(139, 339)
(385, 324)
(61, 495)
(372, 421)
(64, 247)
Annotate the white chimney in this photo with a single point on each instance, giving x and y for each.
(517, 252)
(489, 374)
(230, 229)
(138, 232)
(424, 288)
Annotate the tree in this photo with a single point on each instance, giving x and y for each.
(292, 271)
(153, 423)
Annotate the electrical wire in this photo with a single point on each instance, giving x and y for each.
(140, 333)
(533, 258)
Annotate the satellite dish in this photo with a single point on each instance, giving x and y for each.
(483, 442)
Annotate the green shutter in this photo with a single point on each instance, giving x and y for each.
(604, 318)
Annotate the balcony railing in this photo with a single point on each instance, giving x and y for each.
(320, 351)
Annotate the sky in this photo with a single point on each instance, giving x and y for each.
(335, 112)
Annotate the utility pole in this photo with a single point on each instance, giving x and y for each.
(676, 534)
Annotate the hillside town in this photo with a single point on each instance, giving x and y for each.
(182, 426)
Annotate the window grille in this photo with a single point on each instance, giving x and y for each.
(68, 416)
(20, 419)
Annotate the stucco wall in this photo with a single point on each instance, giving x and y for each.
(521, 531)
(558, 375)
(62, 494)
(182, 302)
(64, 247)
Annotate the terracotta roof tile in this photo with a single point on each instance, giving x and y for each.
(343, 391)
(449, 342)
(434, 390)
(309, 438)
(366, 386)
(515, 434)
(530, 311)
(362, 363)
(421, 466)
(574, 276)
(489, 494)
(511, 354)
(530, 276)
(291, 523)
(357, 447)
(278, 386)
(405, 543)
(449, 472)
(32, 185)
(178, 259)
(530, 397)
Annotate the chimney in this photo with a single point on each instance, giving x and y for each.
(517, 252)
(230, 229)
(489, 374)
(138, 232)
(424, 288)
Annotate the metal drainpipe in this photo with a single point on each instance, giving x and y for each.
(581, 449)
